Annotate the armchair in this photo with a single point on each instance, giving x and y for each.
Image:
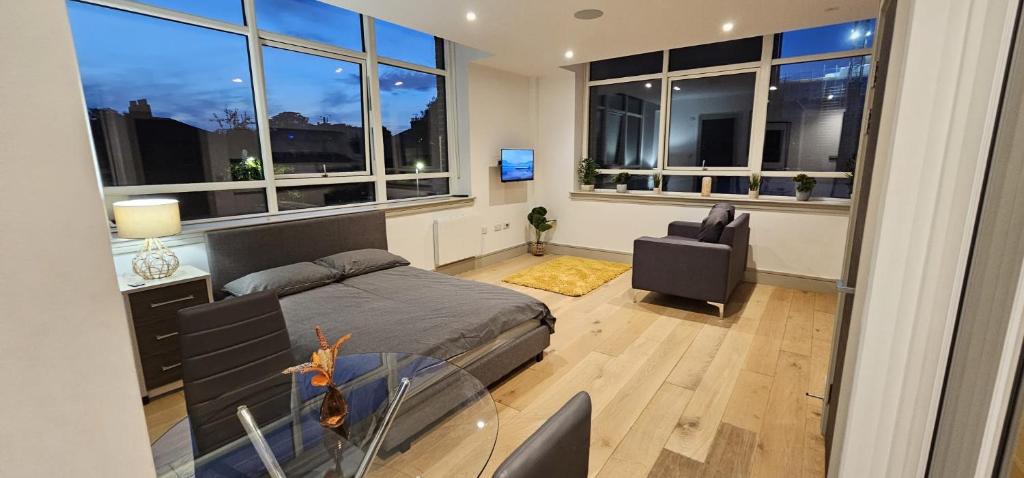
(680, 265)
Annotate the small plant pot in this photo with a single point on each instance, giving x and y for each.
(657, 190)
(803, 195)
(754, 194)
(622, 188)
(586, 187)
(537, 248)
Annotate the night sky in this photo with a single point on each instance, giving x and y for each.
(188, 73)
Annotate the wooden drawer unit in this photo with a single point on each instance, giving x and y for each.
(152, 311)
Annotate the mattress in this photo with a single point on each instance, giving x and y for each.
(410, 310)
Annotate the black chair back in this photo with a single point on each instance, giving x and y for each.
(233, 353)
(560, 447)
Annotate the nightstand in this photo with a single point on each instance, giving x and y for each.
(152, 317)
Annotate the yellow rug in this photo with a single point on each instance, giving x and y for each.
(568, 275)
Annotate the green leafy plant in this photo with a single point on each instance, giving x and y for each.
(538, 219)
(249, 169)
(804, 183)
(622, 178)
(755, 182)
(587, 171)
(657, 180)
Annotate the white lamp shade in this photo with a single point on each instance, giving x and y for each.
(147, 218)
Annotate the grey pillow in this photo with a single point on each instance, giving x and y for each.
(286, 280)
(712, 226)
(361, 261)
(729, 209)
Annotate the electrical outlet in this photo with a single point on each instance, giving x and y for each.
(497, 227)
(506, 226)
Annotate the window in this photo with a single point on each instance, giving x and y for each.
(315, 105)
(777, 105)
(415, 188)
(645, 63)
(814, 115)
(235, 121)
(207, 204)
(709, 124)
(223, 10)
(311, 20)
(624, 119)
(415, 121)
(827, 39)
(399, 43)
(304, 197)
(172, 106)
(715, 54)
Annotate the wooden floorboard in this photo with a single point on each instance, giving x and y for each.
(676, 390)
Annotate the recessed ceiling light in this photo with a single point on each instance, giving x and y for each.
(868, 33)
(831, 96)
(338, 70)
(676, 88)
(236, 80)
(588, 14)
(399, 83)
(471, 16)
(855, 34)
(648, 85)
(569, 54)
(727, 26)
(773, 88)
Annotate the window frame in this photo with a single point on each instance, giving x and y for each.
(759, 116)
(373, 139)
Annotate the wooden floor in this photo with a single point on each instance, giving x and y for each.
(676, 391)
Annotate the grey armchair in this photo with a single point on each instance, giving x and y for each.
(559, 448)
(680, 265)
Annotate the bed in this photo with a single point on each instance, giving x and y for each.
(487, 330)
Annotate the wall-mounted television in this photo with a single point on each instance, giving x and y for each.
(516, 165)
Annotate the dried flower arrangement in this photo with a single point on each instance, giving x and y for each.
(334, 409)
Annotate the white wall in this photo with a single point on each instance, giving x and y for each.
(802, 243)
(70, 403)
(501, 114)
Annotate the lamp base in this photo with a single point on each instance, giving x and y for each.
(154, 261)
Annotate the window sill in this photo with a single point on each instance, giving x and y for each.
(194, 233)
(764, 203)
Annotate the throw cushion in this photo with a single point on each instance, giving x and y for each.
(285, 280)
(712, 226)
(361, 261)
(729, 209)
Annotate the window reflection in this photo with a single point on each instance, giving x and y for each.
(814, 115)
(415, 121)
(414, 188)
(710, 121)
(173, 105)
(315, 106)
(206, 204)
(624, 120)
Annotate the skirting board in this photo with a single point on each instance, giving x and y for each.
(482, 261)
(779, 279)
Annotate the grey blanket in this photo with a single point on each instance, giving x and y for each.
(409, 310)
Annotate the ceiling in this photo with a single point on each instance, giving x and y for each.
(531, 36)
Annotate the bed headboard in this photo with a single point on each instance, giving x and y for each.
(233, 253)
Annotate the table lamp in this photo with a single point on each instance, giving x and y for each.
(149, 219)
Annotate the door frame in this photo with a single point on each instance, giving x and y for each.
(946, 69)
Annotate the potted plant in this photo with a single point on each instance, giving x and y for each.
(754, 186)
(622, 182)
(587, 174)
(657, 183)
(804, 186)
(538, 219)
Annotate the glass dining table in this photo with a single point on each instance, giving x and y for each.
(408, 416)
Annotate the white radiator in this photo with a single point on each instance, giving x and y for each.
(456, 238)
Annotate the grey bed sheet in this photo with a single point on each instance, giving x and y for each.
(405, 309)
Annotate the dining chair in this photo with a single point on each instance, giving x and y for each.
(560, 447)
(233, 352)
